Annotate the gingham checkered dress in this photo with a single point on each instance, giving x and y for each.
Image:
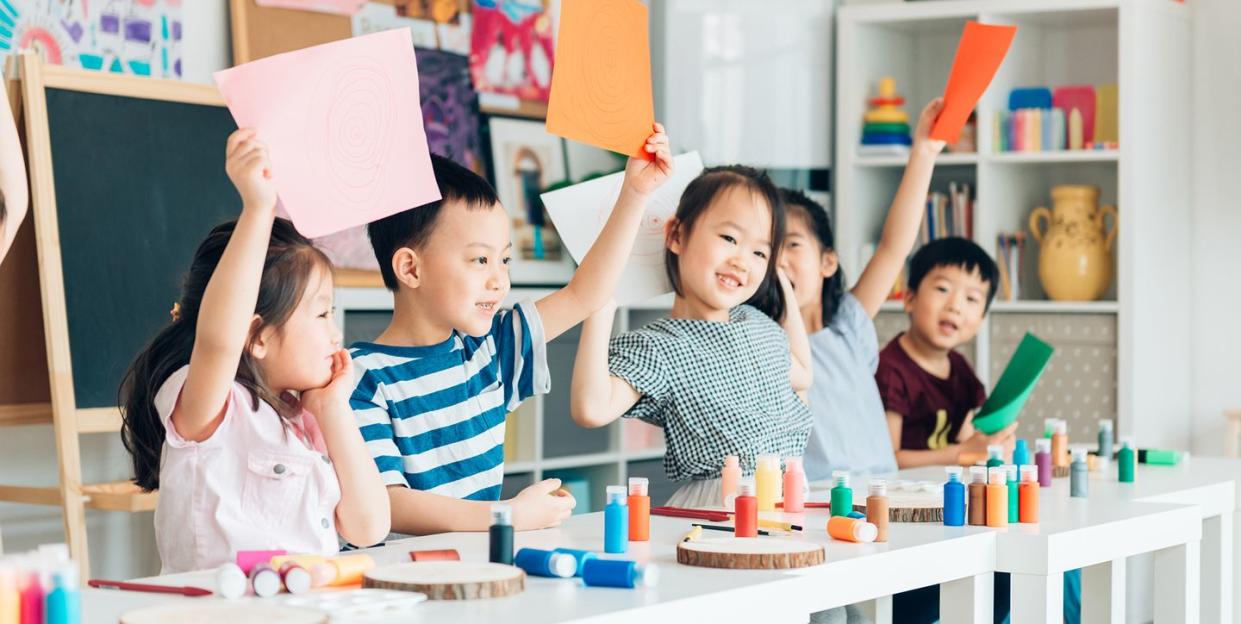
(716, 389)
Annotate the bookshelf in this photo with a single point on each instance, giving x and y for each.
(1141, 323)
(541, 439)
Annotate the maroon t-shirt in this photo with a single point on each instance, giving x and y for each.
(920, 397)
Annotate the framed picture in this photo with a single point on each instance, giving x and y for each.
(526, 161)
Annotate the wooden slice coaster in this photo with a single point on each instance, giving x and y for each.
(449, 580)
(749, 553)
(907, 506)
(204, 612)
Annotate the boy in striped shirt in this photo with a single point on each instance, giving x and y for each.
(433, 389)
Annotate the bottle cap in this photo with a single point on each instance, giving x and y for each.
(1105, 425)
(1042, 445)
(995, 451)
(1010, 472)
(746, 487)
(617, 494)
(1079, 455)
(731, 461)
(1062, 427)
(647, 574)
(997, 475)
(840, 478)
(230, 581)
(1021, 444)
(562, 565)
(878, 487)
(66, 577)
(768, 461)
(792, 463)
(501, 514)
(978, 474)
(865, 531)
(1029, 472)
(1126, 441)
(638, 486)
(954, 473)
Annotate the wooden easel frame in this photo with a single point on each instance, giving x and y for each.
(68, 421)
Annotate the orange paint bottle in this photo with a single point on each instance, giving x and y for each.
(1027, 507)
(997, 497)
(639, 510)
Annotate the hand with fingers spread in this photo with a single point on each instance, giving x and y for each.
(644, 175)
(541, 505)
(249, 167)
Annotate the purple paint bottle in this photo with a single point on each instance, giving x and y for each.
(1042, 458)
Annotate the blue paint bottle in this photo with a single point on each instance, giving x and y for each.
(619, 573)
(954, 498)
(547, 563)
(1021, 453)
(64, 602)
(580, 557)
(616, 520)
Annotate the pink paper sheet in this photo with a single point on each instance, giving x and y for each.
(338, 7)
(343, 127)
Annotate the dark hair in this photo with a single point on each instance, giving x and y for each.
(954, 252)
(796, 203)
(410, 228)
(704, 189)
(287, 272)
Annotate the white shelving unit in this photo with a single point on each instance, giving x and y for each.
(605, 459)
(1141, 45)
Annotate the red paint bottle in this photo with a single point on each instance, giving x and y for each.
(746, 508)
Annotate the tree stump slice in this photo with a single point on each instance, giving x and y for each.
(749, 553)
(449, 580)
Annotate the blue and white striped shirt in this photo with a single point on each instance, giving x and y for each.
(433, 416)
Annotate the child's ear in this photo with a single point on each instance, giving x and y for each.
(910, 294)
(829, 264)
(672, 235)
(406, 265)
(262, 340)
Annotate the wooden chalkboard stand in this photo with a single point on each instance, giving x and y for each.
(68, 420)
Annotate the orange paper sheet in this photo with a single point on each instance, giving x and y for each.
(601, 81)
(979, 54)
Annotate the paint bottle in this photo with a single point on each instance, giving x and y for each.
(501, 534)
(842, 494)
(745, 511)
(64, 602)
(264, 580)
(1060, 445)
(639, 510)
(767, 481)
(1049, 427)
(851, 529)
(1021, 453)
(441, 554)
(1125, 460)
(296, 579)
(1106, 438)
(1028, 492)
(306, 561)
(954, 498)
(580, 557)
(230, 581)
(997, 498)
(10, 597)
(978, 496)
(729, 478)
(1156, 457)
(1010, 480)
(794, 486)
(619, 573)
(616, 520)
(877, 508)
(995, 455)
(548, 563)
(32, 597)
(1042, 459)
(1079, 477)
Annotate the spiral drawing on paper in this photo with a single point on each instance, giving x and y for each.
(357, 120)
(607, 77)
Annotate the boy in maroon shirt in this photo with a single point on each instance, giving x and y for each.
(929, 391)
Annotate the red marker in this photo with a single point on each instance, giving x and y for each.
(143, 587)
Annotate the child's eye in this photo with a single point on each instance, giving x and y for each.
(794, 245)
(328, 313)
(729, 239)
(480, 260)
(761, 254)
(507, 261)
(942, 289)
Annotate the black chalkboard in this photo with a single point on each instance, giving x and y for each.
(139, 183)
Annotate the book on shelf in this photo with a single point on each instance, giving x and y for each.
(1009, 254)
(1029, 130)
(949, 214)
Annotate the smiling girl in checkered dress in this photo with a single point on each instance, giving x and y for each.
(719, 375)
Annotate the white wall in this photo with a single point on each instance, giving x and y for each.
(121, 545)
(1216, 257)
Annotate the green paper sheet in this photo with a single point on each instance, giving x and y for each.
(1010, 394)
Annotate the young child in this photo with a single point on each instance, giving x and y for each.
(850, 431)
(14, 196)
(929, 391)
(719, 375)
(238, 410)
(434, 388)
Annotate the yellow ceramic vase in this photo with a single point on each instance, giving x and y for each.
(1075, 256)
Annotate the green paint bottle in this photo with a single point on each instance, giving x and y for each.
(1013, 498)
(1126, 460)
(842, 494)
